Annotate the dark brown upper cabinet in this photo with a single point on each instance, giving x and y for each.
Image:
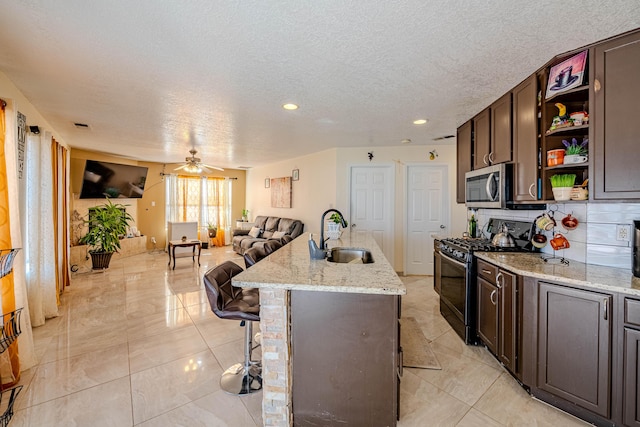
(501, 130)
(525, 140)
(482, 139)
(616, 128)
(463, 153)
(492, 134)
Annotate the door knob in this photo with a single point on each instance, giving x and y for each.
(353, 225)
(442, 226)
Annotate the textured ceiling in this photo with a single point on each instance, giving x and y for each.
(156, 78)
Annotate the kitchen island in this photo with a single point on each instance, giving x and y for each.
(343, 312)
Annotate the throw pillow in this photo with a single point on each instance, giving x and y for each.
(278, 235)
(254, 232)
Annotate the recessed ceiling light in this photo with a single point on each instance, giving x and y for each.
(406, 141)
(420, 121)
(290, 106)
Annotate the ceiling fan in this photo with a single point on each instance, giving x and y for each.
(194, 165)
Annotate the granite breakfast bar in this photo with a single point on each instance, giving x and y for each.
(343, 313)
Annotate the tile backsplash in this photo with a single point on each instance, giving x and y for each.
(594, 241)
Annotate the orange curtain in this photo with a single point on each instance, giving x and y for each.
(8, 295)
(60, 215)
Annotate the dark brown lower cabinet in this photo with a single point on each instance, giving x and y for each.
(631, 386)
(345, 359)
(488, 314)
(574, 346)
(498, 313)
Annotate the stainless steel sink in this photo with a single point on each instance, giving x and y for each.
(350, 256)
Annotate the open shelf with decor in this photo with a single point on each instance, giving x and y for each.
(565, 120)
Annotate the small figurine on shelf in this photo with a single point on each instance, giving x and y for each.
(561, 120)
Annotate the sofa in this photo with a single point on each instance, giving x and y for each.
(265, 228)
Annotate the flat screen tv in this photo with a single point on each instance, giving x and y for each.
(113, 180)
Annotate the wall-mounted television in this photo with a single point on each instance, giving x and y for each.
(113, 180)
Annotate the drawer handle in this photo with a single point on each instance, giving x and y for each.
(486, 271)
(498, 276)
(493, 293)
(605, 308)
(401, 361)
(531, 191)
(597, 86)
(484, 160)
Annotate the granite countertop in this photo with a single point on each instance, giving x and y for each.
(290, 267)
(576, 273)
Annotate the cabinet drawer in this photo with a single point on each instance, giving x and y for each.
(632, 311)
(487, 271)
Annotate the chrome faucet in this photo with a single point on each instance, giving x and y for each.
(343, 223)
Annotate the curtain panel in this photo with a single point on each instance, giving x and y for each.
(202, 199)
(20, 354)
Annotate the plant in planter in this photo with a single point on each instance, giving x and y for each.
(212, 229)
(562, 185)
(334, 224)
(106, 224)
(574, 152)
(245, 215)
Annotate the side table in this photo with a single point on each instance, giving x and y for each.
(173, 244)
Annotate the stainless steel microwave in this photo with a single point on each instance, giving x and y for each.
(489, 187)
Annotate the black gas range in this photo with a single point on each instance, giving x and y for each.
(455, 272)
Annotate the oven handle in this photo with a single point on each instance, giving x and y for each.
(455, 261)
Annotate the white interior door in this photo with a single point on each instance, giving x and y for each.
(371, 203)
(427, 214)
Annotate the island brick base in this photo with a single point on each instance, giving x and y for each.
(276, 373)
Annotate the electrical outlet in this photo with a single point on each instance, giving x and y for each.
(623, 232)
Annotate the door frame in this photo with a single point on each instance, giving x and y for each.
(405, 204)
(392, 195)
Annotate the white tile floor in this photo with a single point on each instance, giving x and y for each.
(139, 345)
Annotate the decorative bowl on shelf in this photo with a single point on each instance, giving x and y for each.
(555, 157)
(562, 193)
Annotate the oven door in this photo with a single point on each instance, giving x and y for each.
(455, 297)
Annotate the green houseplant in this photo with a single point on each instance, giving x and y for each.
(106, 223)
(336, 218)
(212, 229)
(561, 185)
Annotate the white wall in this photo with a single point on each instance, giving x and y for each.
(312, 194)
(324, 183)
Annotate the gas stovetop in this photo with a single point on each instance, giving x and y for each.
(462, 248)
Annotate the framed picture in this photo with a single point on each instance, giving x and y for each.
(295, 174)
(281, 192)
(267, 183)
(566, 75)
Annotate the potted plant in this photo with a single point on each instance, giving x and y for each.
(562, 185)
(334, 225)
(574, 152)
(245, 215)
(212, 229)
(106, 224)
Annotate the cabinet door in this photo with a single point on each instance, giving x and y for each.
(631, 391)
(508, 322)
(574, 351)
(525, 140)
(463, 154)
(481, 139)
(500, 151)
(488, 314)
(616, 125)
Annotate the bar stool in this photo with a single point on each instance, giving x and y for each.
(270, 246)
(230, 302)
(253, 255)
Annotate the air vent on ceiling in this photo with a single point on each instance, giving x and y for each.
(81, 125)
(440, 138)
